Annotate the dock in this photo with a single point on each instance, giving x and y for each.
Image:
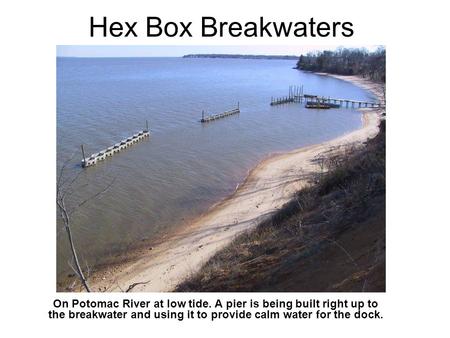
(296, 95)
(213, 117)
(114, 149)
(337, 103)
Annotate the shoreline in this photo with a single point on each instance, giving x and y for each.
(377, 89)
(268, 186)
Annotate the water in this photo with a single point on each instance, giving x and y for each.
(185, 166)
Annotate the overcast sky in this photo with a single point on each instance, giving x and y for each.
(143, 51)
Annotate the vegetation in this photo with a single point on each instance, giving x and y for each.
(347, 62)
(330, 238)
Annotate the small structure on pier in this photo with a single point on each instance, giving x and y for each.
(315, 102)
(114, 149)
(213, 117)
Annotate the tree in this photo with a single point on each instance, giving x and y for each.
(346, 61)
(64, 190)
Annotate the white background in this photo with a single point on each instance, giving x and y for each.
(415, 33)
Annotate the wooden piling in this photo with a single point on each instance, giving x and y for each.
(82, 151)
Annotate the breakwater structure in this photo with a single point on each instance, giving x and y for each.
(114, 149)
(209, 118)
(296, 95)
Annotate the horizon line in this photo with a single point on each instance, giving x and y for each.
(170, 56)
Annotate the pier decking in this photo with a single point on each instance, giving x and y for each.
(210, 118)
(103, 154)
(296, 95)
(340, 102)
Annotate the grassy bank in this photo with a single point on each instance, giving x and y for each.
(330, 237)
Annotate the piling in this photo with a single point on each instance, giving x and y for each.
(84, 156)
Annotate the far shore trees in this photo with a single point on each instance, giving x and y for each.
(345, 61)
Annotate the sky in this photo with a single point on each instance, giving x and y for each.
(148, 51)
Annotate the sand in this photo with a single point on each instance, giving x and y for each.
(267, 188)
(377, 89)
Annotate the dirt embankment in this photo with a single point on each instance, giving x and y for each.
(330, 237)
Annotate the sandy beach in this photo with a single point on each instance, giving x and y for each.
(267, 188)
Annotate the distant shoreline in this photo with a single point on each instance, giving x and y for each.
(191, 56)
(241, 56)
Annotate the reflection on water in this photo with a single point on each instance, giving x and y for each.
(185, 166)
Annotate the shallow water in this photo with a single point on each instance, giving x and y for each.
(185, 166)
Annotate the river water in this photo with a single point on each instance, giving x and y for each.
(185, 166)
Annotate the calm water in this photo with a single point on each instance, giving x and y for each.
(185, 166)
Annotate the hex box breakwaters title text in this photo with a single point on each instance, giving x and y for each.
(211, 27)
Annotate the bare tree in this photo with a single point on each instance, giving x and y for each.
(64, 189)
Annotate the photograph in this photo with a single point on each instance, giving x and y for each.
(220, 168)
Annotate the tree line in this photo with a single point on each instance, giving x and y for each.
(347, 61)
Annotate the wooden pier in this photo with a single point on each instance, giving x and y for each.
(311, 100)
(296, 95)
(108, 152)
(210, 118)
